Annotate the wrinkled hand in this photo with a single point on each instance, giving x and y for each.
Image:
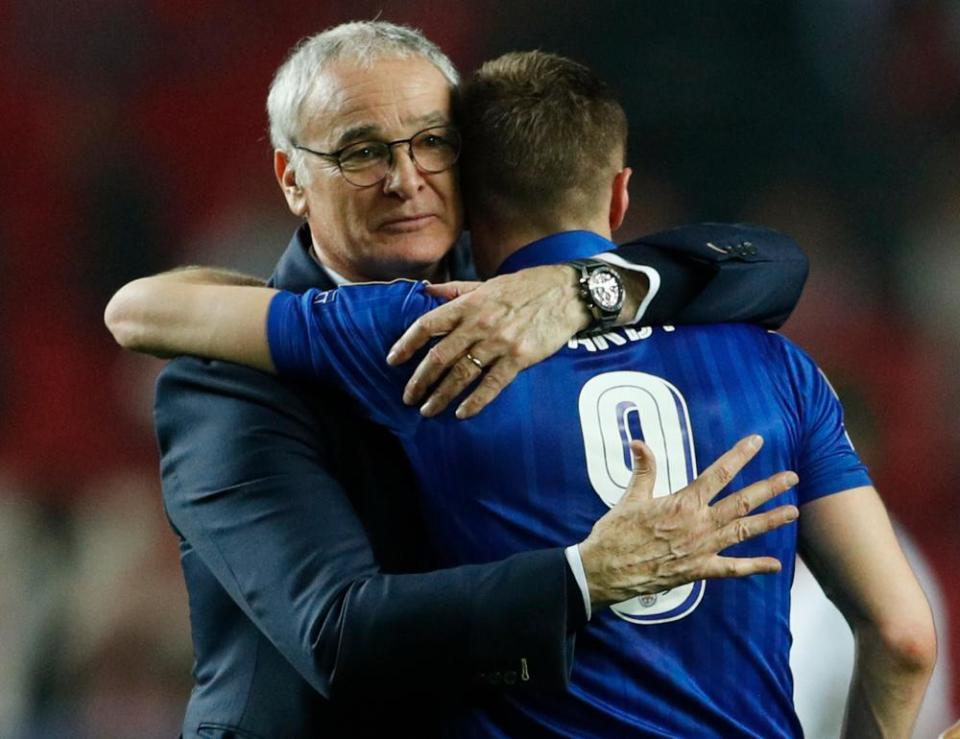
(647, 545)
(505, 324)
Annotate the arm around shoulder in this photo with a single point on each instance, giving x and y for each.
(714, 272)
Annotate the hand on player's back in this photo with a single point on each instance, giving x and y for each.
(492, 330)
(647, 545)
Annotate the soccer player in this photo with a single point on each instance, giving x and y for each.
(545, 182)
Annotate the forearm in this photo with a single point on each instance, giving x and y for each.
(312, 588)
(887, 688)
(514, 320)
(144, 312)
(209, 313)
(465, 625)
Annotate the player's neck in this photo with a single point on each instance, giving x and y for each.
(493, 242)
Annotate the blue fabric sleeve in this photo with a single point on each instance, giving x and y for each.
(343, 336)
(287, 336)
(827, 462)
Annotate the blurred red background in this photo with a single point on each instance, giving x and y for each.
(135, 140)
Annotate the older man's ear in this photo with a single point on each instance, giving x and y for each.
(287, 179)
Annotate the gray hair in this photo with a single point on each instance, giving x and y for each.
(363, 42)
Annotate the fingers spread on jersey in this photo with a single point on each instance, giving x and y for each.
(719, 474)
(751, 497)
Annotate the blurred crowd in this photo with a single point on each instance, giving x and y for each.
(135, 140)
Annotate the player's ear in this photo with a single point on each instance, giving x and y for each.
(619, 198)
(286, 176)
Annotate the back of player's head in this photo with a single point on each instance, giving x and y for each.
(542, 136)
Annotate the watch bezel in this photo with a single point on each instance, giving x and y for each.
(603, 317)
(597, 291)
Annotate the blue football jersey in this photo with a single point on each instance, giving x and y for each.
(551, 455)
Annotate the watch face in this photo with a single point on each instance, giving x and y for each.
(605, 289)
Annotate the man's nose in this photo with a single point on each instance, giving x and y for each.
(403, 178)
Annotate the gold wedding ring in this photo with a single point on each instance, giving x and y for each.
(475, 360)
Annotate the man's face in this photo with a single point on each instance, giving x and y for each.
(403, 226)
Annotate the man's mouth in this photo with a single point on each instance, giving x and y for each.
(406, 224)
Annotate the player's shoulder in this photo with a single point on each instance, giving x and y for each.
(771, 348)
(771, 340)
(745, 335)
(789, 350)
(795, 365)
(386, 304)
(362, 292)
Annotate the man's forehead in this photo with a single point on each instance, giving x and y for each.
(353, 101)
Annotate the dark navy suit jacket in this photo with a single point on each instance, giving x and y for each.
(295, 516)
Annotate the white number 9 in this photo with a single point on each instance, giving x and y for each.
(615, 408)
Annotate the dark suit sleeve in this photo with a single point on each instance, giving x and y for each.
(716, 272)
(246, 483)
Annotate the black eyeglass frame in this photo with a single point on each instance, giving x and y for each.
(334, 156)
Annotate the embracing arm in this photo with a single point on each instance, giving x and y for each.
(693, 274)
(847, 541)
(205, 312)
(717, 272)
(706, 273)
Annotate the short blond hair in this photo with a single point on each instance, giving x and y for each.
(540, 133)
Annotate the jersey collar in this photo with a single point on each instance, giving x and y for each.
(561, 247)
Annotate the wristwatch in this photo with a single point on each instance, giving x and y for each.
(602, 293)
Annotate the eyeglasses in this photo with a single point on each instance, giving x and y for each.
(366, 163)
